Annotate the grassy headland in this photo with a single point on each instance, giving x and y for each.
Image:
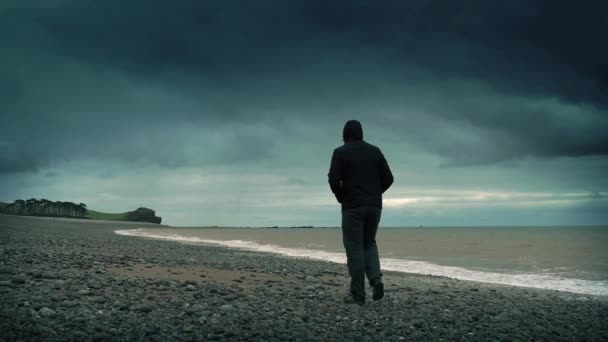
(44, 207)
(98, 215)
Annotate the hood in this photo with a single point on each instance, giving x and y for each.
(352, 131)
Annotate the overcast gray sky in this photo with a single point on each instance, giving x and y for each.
(226, 112)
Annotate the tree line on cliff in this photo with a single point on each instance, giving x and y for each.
(44, 207)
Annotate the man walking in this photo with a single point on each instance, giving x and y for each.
(358, 176)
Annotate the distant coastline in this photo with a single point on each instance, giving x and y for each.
(46, 208)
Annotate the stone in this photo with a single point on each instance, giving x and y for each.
(100, 336)
(145, 307)
(311, 279)
(46, 312)
(197, 308)
(18, 279)
(69, 303)
(48, 275)
(226, 308)
(99, 300)
(7, 270)
(120, 305)
(79, 334)
(161, 281)
(190, 288)
(230, 297)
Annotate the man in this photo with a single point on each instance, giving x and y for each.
(358, 176)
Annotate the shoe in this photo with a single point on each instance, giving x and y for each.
(349, 299)
(378, 289)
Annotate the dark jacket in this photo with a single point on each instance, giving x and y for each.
(359, 173)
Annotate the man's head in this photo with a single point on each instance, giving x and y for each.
(352, 131)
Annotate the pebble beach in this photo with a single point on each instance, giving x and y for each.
(70, 279)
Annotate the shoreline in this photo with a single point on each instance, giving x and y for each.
(69, 278)
(248, 242)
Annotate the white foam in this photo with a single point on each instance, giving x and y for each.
(543, 281)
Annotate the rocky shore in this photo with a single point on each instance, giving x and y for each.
(68, 279)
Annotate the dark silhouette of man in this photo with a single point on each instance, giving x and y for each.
(358, 176)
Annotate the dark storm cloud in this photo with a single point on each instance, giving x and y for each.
(176, 82)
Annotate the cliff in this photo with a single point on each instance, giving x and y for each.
(143, 215)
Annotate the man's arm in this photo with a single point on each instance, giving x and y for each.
(335, 176)
(386, 176)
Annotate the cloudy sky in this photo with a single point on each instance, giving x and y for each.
(226, 112)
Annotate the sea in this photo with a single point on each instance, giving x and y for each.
(572, 259)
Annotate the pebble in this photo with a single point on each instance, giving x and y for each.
(7, 270)
(100, 336)
(98, 300)
(48, 275)
(161, 281)
(145, 307)
(310, 288)
(18, 279)
(230, 297)
(46, 312)
(79, 334)
(120, 305)
(69, 303)
(226, 307)
(197, 307)
(311, 279)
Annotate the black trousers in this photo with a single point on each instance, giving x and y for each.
(359, 227)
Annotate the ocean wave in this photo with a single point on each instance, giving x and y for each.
(534, 280)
